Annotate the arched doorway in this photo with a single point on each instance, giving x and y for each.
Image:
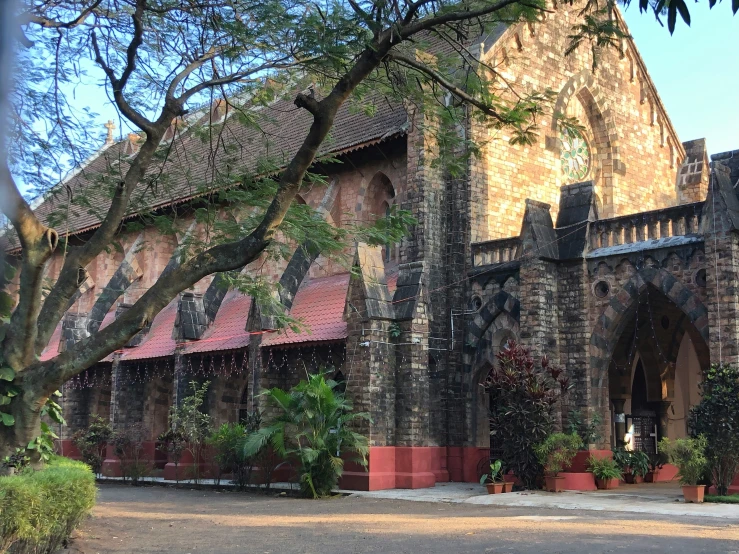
(655, 366)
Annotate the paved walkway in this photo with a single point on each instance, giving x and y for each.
(658, 499)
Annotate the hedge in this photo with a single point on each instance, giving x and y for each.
(40, 509)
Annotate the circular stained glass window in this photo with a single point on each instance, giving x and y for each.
(575, 155)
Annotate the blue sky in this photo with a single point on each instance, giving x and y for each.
(696, 71)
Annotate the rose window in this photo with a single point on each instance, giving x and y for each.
(575, 155)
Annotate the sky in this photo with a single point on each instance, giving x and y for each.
(696, 71)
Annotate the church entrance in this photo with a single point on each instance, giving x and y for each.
(641, 423)
(654, 373)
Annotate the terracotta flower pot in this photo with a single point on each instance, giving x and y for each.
(555, 484)
(633, 479)
(508, 486)
(494, 488)
(694, 493)
(606, 484)
(652, 476)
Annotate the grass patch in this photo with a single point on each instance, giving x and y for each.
(40, 509)
(731, 499)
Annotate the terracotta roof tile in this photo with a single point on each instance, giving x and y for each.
(52, 349)
(158, 341)
(227, 331)
(319, 304)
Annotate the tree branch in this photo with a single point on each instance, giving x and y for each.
(451, 87)
(38, 243)
(226, 257)
(429, 23)
(52, 24)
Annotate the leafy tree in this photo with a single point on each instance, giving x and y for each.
(314, 428)
(189, 422)
(173, 443)
(128, 443)
(523, 397)
(716, 418)
(157, 60)
(92, 442)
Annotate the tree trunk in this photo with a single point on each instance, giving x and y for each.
(26, 409)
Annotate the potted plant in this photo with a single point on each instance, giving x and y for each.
(555, 454)
(690, 458)
(606, 472)
(656, 461)
(492, 480)
(639, 467)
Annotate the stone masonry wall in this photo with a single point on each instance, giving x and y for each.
(636, 153)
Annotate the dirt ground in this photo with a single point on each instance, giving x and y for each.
(166, 520)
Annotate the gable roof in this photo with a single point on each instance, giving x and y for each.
(272, 139)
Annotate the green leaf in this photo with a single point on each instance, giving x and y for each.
(4, 400)
(683, 9)
(7, 419)
(7, 373)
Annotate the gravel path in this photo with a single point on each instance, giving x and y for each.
(166, 520)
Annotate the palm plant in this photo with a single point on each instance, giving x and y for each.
(314, 428)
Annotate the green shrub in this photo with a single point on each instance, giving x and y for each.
(522, 395)
(732, 499)
(129, 447)
(228, 442)
(715, 417)
(40, 509)
(555, 454)
(604, 468)
(313, 427)
(92, 441)
(689, 457)
(635, 463)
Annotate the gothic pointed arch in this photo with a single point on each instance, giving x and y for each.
(581, 97)
(614, 319)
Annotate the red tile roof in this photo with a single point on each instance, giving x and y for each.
(158, 341)
(319, 305)
(52, 349)
(228, 330)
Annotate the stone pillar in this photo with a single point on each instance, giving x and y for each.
(182, 380)
(370, 369)
(112, 465)
(719, 224)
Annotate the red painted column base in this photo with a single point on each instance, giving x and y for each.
(578, 481)
(398, 467)
(67, 448)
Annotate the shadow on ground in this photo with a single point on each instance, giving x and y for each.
(157, 519)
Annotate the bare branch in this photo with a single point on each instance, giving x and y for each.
(52, 24)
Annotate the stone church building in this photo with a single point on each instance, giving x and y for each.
(612, 251)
